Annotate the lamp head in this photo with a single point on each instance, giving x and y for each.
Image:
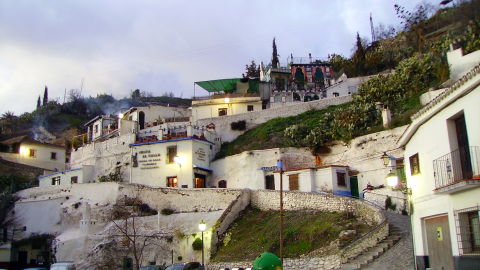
(392, 179)
(202, 226)
(385, 158)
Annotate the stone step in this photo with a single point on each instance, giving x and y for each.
(349, 266)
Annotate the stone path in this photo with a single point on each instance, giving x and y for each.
(400, 256)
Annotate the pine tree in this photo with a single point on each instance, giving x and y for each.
(275, 62)
(39, 102)
(45, 96)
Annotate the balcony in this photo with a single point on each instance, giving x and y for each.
(458, 170)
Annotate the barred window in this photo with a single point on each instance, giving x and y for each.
(468, 230)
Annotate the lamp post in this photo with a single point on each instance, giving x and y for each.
(202, 226)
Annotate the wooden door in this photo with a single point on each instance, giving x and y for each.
(354, 186)
(439, 243)
(293, 182)
(463, 147)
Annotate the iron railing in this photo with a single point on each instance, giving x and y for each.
(459, 165)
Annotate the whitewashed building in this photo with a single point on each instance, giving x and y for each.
(442, 162)
(25, 150)
(178, 163)
(68, 177)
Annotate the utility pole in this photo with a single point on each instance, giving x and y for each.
(280, 167)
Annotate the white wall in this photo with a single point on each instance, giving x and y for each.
(346, 87)
(431, 141)
(153, 168)
(42, 158)
(459, 63)
(202, 109)
(84, 175)
(154, 113)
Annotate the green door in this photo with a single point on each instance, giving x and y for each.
(354, 186)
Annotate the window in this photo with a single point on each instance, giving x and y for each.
(74, 180)
(96, 128)
(53, 155)
(172, 181)
(341, 179)
(468, 230)
(414, 164)
(56, 181)
(293, 182)
(171, 153)
(335, 94)
(250, 108)
(222, 111)
(222, 184)
(32, 153)
(270, 182)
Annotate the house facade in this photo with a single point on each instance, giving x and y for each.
(68, 177)
(177, 163)
(442, 164)
(25, 150)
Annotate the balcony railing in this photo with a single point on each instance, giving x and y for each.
(457, 167)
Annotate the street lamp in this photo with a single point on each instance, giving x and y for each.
(202, 226)
(385, 158)
(392, 179)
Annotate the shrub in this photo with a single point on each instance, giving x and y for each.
(197, 244)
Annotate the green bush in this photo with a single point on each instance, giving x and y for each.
(197, 244)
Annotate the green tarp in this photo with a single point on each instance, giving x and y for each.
(227, 85)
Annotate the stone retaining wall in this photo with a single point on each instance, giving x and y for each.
(252, 119)
(269, 200)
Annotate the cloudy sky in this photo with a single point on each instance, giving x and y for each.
(159, 46)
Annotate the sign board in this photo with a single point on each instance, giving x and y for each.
(148, 160)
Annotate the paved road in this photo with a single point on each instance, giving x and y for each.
(400, 256)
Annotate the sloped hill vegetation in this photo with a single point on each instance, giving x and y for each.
(419, 64)
(304, 231)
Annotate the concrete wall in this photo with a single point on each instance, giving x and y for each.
(379, 196)
(460, 64)
(105, 156)
(223, 128)
(435, 137)
(42, 158)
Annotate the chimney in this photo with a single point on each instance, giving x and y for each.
(310, 57)
(386, 116)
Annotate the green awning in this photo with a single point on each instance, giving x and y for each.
(227, 85)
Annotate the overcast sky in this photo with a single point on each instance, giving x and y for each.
(160, 46)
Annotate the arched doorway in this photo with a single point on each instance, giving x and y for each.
(141, 120)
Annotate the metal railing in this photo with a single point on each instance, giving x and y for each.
(459, 165)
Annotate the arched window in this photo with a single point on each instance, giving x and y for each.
(222, 184)
(141, 120)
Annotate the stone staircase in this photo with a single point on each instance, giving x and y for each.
(395, 234)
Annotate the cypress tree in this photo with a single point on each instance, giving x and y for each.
(45, 96)
(39, 102)
(275, 62)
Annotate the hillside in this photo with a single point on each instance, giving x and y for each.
(257, 231)
(418, 58)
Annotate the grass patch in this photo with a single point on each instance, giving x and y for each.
(304, 231)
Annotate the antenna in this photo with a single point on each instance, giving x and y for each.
(81, 85)
(371, 28)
